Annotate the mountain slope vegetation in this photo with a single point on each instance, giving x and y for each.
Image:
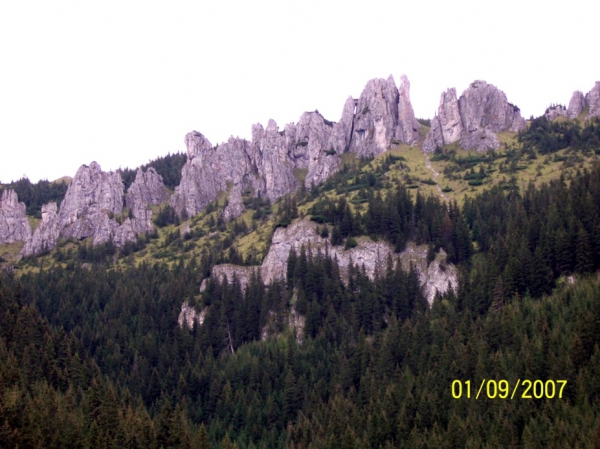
(89, 336)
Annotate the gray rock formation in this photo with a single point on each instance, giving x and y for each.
(147, 189)
(311, 150)
(274, 159)
(484, 111)
(408, 127)
(593, 101)
(208, 171)
(273, 163)
(376, 118)
(446, 126)
(555, 111)
(91, 197)
(229, 271)
(189, 317)
(576, 105)
(14, 226)
(342, 130)
(91, 203)
(371, 255)
(235, 206)
(46, 235)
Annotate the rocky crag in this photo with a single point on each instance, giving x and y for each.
(578, 104)
(278, 162)
(14, 226)
(91, 205)
(373, 256)
(474, 120)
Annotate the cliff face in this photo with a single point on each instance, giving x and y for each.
(147, 189)
(271, 162)
(592, 100)
(383, 115)
(372, 255)
(91, 203)
(46, 235)
(14, 226)
(480, 113)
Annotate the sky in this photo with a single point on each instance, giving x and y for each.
(122, 82)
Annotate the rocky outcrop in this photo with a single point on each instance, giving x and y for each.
(208, 171)
(593, 101)
(408, 127)
(484, 111)
(373, 256)
(14, 226)
(91, 197)
(577, 104)
(46, 234)
(377, 123)
(91, 205)
(341, 133)
(273, 158)
(446, 126)
(189, 317)
(310, 149)
(147, 189)
(235, 205)
(230, 272)
(276, 162)
(376, 118)
(555, 111)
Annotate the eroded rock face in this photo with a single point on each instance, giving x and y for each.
(93, 201)
(46, 235)
(376, 118)
(275, 161)
(484, 111)
(342, 130)
(235, 206)
(373, 256)
(446, 126)
(229, 271)
(14, 226)
(146, 189)
(208, 170)
(408, 127)
(189, 317)
(593, 101)
(311, 151)
(576, 105)
(555, 111)
(91, 197)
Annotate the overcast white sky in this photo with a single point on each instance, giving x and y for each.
(122, 82)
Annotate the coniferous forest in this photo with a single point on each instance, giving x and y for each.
(91, 354)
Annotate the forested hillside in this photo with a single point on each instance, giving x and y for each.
(92, 355)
